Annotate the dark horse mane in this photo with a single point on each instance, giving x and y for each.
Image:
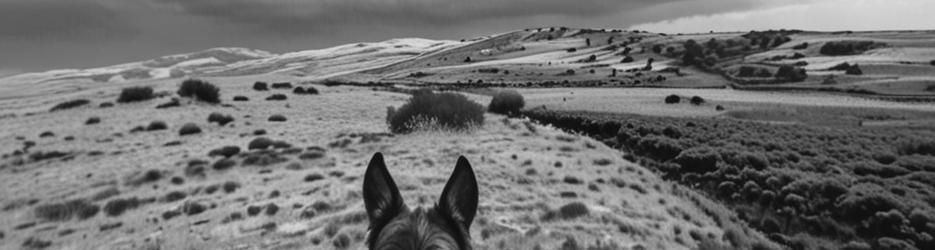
(445, 224)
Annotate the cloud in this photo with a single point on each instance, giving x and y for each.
(827, 15)
(312, 15)
(55, 19)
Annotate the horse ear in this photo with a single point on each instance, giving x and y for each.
(381, 196)
(459, 198)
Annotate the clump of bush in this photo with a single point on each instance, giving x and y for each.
(277, 97)
(226, 151)
(790, 73)
(221, 119)
(801, 46)
(135, 94)
(189, 128)
(697, 100)
(277, 118)
(442, 110)
(672, 99)
(568, 211)
(850, 69)
(282, 85)
(241, 98)
(157, 125)
(627, 59)
(80, 208)
(92, 120)
(117, 207)
(201, 90)
(508, 102)
(844, 48)
(70, 105)
(260, 86)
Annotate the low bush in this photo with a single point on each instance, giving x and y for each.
(260, 86)
(70, 105)
(171, 104)
(277, 118)
(791, 73)
(508, 102)
(189, 129)
(135, 94)
(221, 119)
(672, 99)
(225, 151)
(277, 97)
(627, 59)
(282, 85)
(299, 91)
(844, 48)
(82, 209)
(117, 207)
(697, 100)
(157, 125)
(800, 46)
(200, 90)
(311, 90)
(442, 110)
(260, 143)
(697, 160)
(241, 98)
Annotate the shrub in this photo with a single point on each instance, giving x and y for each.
(311, 90)
(260, 143)
(671, 99)
(282, 85)
(790, 73)
(844, 48)
(173, 103)
(746, 71)
(932, 62)
(276, 97)
(223, 164)
(854, 70)
(226, 151)
(241, 98)
(106, 105)
(189, 128)
(117, 207)
(627, 59)
(157, 125)
(299, 91)
(66, 211)
(260, 86)
(70, 105)
(506, 102)
(92, 120)
(135, 94)
(567, 211)
(662, 148)
(697, 100)
(201, 90)
(221, 119)
(445, 110)
(230, 186)
(800, 46)
(277, 118)
(697, 160)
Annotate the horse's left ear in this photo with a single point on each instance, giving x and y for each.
(459, 198)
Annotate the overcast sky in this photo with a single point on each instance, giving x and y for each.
(38, 35)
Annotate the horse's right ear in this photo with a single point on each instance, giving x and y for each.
(381, 196)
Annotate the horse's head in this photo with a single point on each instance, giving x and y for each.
(393, 226)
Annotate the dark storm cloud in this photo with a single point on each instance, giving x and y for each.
(292, 15)
(56, 19)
